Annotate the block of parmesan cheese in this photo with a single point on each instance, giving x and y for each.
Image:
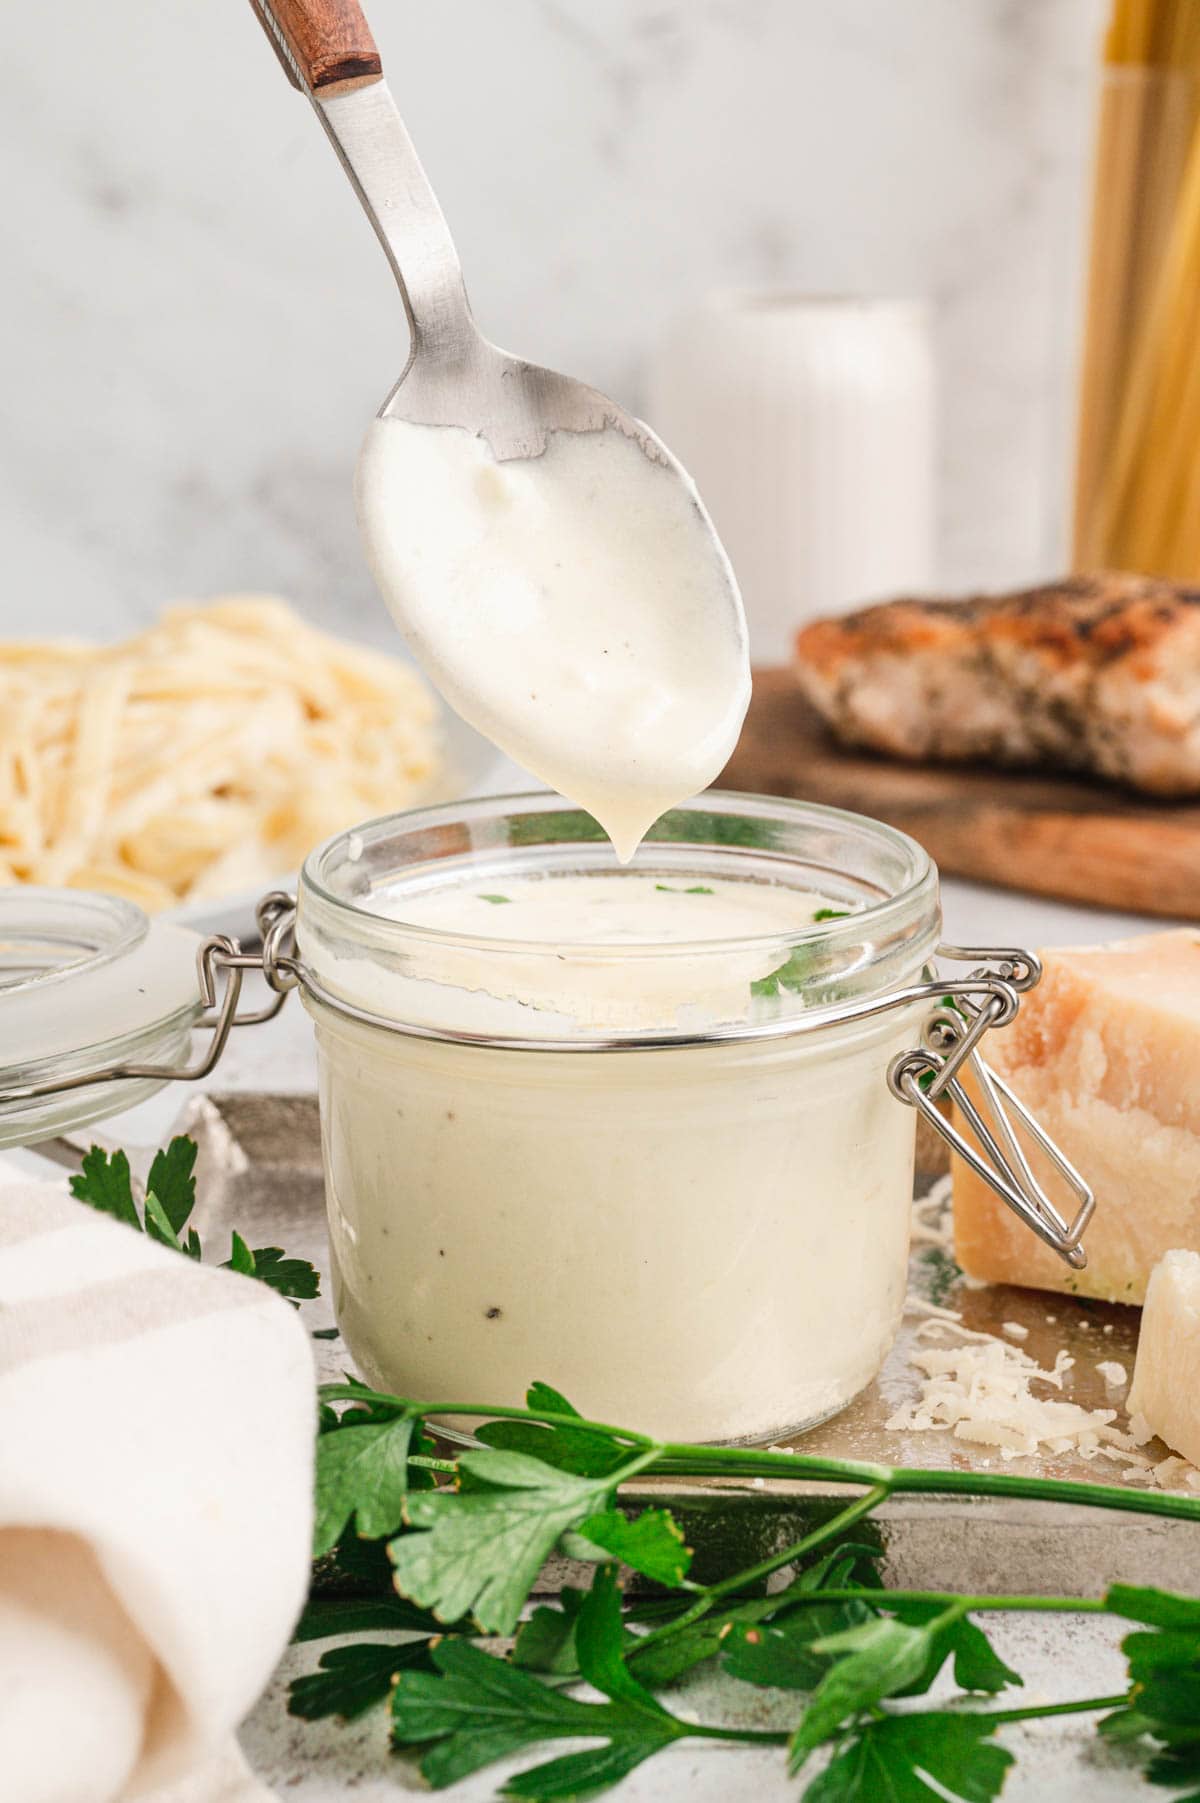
(1106, 1051)
(1165, 1390)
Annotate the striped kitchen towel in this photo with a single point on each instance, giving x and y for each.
(156, 1435)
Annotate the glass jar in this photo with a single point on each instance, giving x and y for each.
(619, 1168)
(86, 982)
(672, 1179)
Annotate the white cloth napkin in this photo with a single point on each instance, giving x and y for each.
(156, 1435)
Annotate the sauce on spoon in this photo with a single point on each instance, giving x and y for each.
(577, 608)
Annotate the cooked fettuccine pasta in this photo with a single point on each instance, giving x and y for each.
(203, 756)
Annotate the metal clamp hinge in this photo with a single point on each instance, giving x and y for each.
(924, 1075)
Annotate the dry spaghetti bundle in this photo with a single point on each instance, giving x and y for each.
(206, 755)
(1138, 478)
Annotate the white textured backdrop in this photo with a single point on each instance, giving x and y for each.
(198, 323)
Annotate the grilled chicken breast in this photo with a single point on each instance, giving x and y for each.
(1095, 673)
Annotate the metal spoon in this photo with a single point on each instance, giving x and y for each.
(454, 376)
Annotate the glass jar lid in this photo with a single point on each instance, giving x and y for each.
(87, 981)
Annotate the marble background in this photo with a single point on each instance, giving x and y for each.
(198, 322)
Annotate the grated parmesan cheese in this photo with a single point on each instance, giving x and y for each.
(989, 1392)
(986, 1391)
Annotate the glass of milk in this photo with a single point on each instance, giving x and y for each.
(609, 1127)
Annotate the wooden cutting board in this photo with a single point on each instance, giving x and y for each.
(1076, 840)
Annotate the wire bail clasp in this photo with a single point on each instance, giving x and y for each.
(924, 1075)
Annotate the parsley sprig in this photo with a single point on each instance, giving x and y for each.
(465, 1538)
(105, 1181)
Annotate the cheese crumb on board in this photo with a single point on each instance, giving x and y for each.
(1165, 1392)
(1104, 1052)
(1113, 1373)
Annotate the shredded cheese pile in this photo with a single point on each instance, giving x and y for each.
(989, 1392)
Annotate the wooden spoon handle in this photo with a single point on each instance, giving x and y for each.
(322, 44)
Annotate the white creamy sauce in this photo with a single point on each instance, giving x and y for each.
(577, 608)
(625, 909)
(555, 968)
(708, 1242)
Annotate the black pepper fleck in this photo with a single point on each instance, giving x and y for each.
(492, 1314)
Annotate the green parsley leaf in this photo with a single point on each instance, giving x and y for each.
(977, 1665)
(172, 1181)
(362, 1471)
(1124, 1725)
(647, 1726)
(496, 900)
(780, 1651)
(480, 1709)
(832, 914)
(665, 1660)
(847, 1564)
(480, 1550)
(1172, 1649)
(157, 1225)
(358, 1575)
(1177, 1767)
(567, 1449)
(922, 1758)
(586, 1453)
(545, 1399)
(1170, 1700)
(325, 1333)
(695, 889)
(1157, 1608)
(324, 1616)
(350, 1679)
(294, 1278)
(881, 1657)
(779, 1657)
(787, 978)
(105, 1183)
(240, 1259)
(600, 1640)
(546, 1642)
(651, 1542)
(1164, 1668)
(583, 1774)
